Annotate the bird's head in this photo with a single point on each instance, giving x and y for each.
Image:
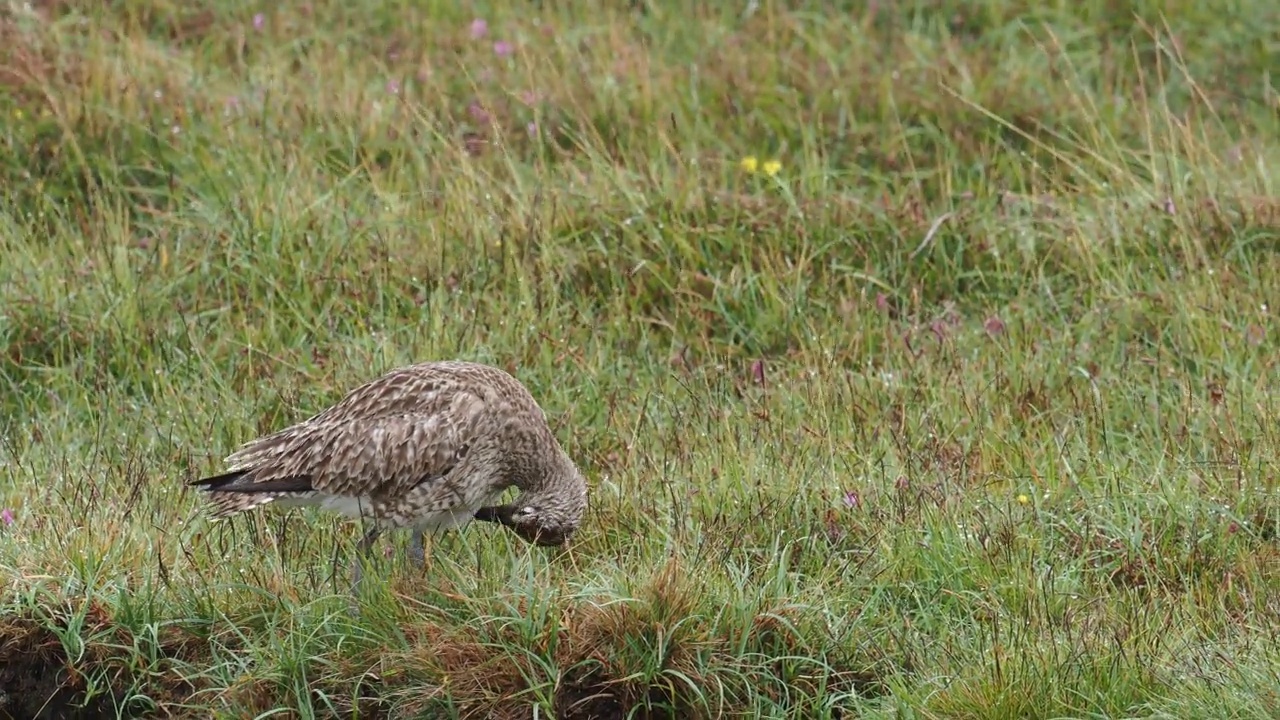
(545, 515)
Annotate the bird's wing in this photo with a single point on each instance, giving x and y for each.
(361, 455)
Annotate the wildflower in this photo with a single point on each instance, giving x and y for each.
(851, 500)
(749, 164)
(478, 113)
(259, 20)
(1023, 499)
(993, 325)
(17, 114)
(393, 87)
(6, 516)
(532, 129)
(479, 28)
(771, 167)
(502, 48)
(1255, 334)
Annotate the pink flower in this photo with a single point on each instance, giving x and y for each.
(851, 499)
(393, 87)
(532, 129)
(1255, 334)
(6, 516)
(259, 21)
(993, 325)
(479, 28)
(757, 372)
(502, 48)
(478, 113)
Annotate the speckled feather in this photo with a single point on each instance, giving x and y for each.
(424, 445)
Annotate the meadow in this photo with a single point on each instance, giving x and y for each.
(921, 356)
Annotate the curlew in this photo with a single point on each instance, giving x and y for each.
(429, 447)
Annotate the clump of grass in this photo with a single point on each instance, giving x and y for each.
(957, 401)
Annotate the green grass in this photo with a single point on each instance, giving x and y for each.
(970, 411)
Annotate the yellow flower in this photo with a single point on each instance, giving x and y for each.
(17, 114)
(771, 167)
(749, 164)
(1023, 499)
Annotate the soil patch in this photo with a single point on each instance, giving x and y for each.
(35, 680)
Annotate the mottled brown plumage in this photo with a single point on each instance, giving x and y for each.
(428, 446)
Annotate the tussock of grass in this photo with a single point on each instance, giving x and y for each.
(966, 411)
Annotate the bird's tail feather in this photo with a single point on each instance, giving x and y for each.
(231, 493)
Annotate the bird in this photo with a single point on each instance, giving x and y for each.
(429, 446)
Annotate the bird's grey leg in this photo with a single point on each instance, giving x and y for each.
(416, 552)
(363, 551)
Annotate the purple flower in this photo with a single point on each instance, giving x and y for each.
(532, 129)
(478, 113)
(259, 21)
(479, 28)
(502, 48)
(6, 516)
(393, 87)
(851, 500)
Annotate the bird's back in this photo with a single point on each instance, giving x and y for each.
(382, 440)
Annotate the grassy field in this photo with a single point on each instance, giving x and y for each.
(921, 356)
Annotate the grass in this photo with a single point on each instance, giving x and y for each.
(968, 411)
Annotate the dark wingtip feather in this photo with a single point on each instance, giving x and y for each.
(217, 481)
(228, 482)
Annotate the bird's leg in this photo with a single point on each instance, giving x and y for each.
(416, 552)
(363, 549)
